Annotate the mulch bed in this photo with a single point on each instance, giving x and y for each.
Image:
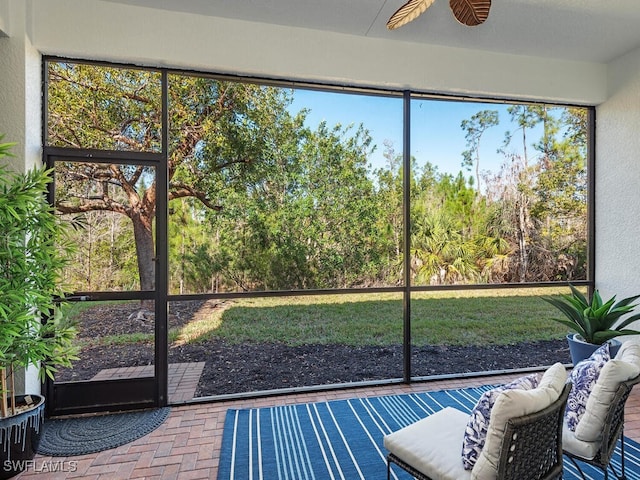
(232, 368)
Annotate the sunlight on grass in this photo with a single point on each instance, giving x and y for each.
(197, 329)
(444, 318)
(471, 317)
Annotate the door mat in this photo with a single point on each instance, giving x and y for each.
(67, 437)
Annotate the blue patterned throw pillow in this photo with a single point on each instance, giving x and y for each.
(583, 378)
(476, 432)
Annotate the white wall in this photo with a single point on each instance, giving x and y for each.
(20, 87)
(20, 112)
(4, 15)
(618, 180)
(108, 31)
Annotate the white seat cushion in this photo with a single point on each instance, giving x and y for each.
(432, 445)
(578, 447)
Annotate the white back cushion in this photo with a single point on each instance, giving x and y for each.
(515, 403)
(625, 366)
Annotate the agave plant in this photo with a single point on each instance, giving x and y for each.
(596, 321)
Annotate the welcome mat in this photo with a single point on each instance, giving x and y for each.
(68, 437)
(342, 439)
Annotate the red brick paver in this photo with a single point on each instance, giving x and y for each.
(183, 378)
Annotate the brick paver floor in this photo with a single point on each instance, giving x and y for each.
(183, 378)
(187, 445)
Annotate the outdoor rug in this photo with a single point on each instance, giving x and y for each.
(342, 439)
(67, 437)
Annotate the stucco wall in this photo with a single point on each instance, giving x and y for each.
(618, 180)
(103, 30)
(20, 92)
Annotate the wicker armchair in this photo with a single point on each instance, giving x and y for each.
(612, 431)
(530, 447)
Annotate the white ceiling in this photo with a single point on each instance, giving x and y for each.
(585, 30)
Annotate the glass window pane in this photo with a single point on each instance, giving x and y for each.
(456, 332)
(116, 340)
(499, 193)
(107, 108)
(280, 189)
(112, 210)
(269, 343)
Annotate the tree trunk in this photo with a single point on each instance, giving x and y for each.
(145, 250)
(523, 223)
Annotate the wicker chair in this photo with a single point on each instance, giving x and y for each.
(612, 431)
(531, 446)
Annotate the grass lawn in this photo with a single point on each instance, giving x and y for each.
(472, 317)
(445, 318)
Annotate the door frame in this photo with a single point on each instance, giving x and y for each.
(85, 396)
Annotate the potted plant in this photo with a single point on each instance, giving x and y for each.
(33, 252)
(594, 322)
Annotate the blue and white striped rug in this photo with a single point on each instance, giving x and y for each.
(342, 439)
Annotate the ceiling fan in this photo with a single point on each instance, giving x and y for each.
(467, 12)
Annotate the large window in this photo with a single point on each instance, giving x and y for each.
(302, 237)
(499, 193)
(280, 189)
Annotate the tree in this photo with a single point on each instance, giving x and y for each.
(526, 117)
(389, 186)
(475, 127)
(313, 222)
(253, 193)
(561, 193)
(452, 238)
(222, 136)
(542, 199)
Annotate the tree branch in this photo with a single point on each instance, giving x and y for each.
(181, 190)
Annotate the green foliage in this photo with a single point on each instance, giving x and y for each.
(474, 129)
(260, 201)
(33, 252)
(596, 321)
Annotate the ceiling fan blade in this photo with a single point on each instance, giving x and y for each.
(470, 12)
(409, 11)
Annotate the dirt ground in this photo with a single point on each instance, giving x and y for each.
(264, 366)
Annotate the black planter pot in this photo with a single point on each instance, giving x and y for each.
(20, 437)
(581, 350)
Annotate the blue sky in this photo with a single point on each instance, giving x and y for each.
(436, 134)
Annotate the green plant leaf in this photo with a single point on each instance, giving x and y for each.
(596, 320)
(604, 336)
(577, 294)
(596, 301)
(626, 301)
